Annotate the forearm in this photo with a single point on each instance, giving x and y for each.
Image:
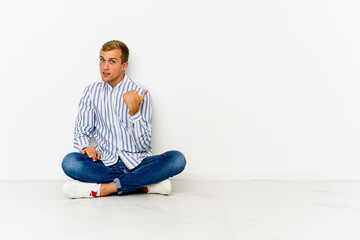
(140, 118)
(141, 131)
(84, 124)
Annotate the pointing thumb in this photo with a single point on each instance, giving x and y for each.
(143, 95)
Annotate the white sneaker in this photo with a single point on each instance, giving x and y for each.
(163, 187)
(77, 189)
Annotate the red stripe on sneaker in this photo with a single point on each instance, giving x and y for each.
(145, 189)
(93, 194)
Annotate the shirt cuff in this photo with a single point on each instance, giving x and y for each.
(136, 117)
(84, 146)
(83, 142)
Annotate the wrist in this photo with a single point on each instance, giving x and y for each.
(133, 111)
(83, 147)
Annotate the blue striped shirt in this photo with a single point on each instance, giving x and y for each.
(104, 115)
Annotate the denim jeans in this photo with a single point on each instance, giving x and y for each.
(151, 170)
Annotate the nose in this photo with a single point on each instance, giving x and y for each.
(106, 66)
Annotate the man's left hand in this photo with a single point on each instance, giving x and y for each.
(133, 99)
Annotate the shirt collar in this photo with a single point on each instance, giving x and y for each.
(119, 85)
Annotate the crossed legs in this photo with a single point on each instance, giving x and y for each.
(118, 178)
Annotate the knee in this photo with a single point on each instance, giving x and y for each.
(71, 163)
(178, 161)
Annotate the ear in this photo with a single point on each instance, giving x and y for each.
(125, 65)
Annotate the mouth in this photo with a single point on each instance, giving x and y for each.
(105, 74)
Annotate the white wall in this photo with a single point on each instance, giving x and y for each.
(246, 89)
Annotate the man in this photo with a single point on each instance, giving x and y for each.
(117, 113)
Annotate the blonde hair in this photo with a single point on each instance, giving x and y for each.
(116, 44)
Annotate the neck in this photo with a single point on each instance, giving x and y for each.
(117, 81)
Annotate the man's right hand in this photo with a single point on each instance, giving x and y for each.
(91, 152)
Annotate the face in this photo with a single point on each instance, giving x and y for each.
(112, 70)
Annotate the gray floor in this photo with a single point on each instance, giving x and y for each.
(196, 210)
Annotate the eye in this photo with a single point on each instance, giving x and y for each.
(102, 60)
(112, 61)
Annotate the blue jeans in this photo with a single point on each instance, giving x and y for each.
(151, 170)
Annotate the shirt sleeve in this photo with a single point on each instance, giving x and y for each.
(84, 125)
(140, 124)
